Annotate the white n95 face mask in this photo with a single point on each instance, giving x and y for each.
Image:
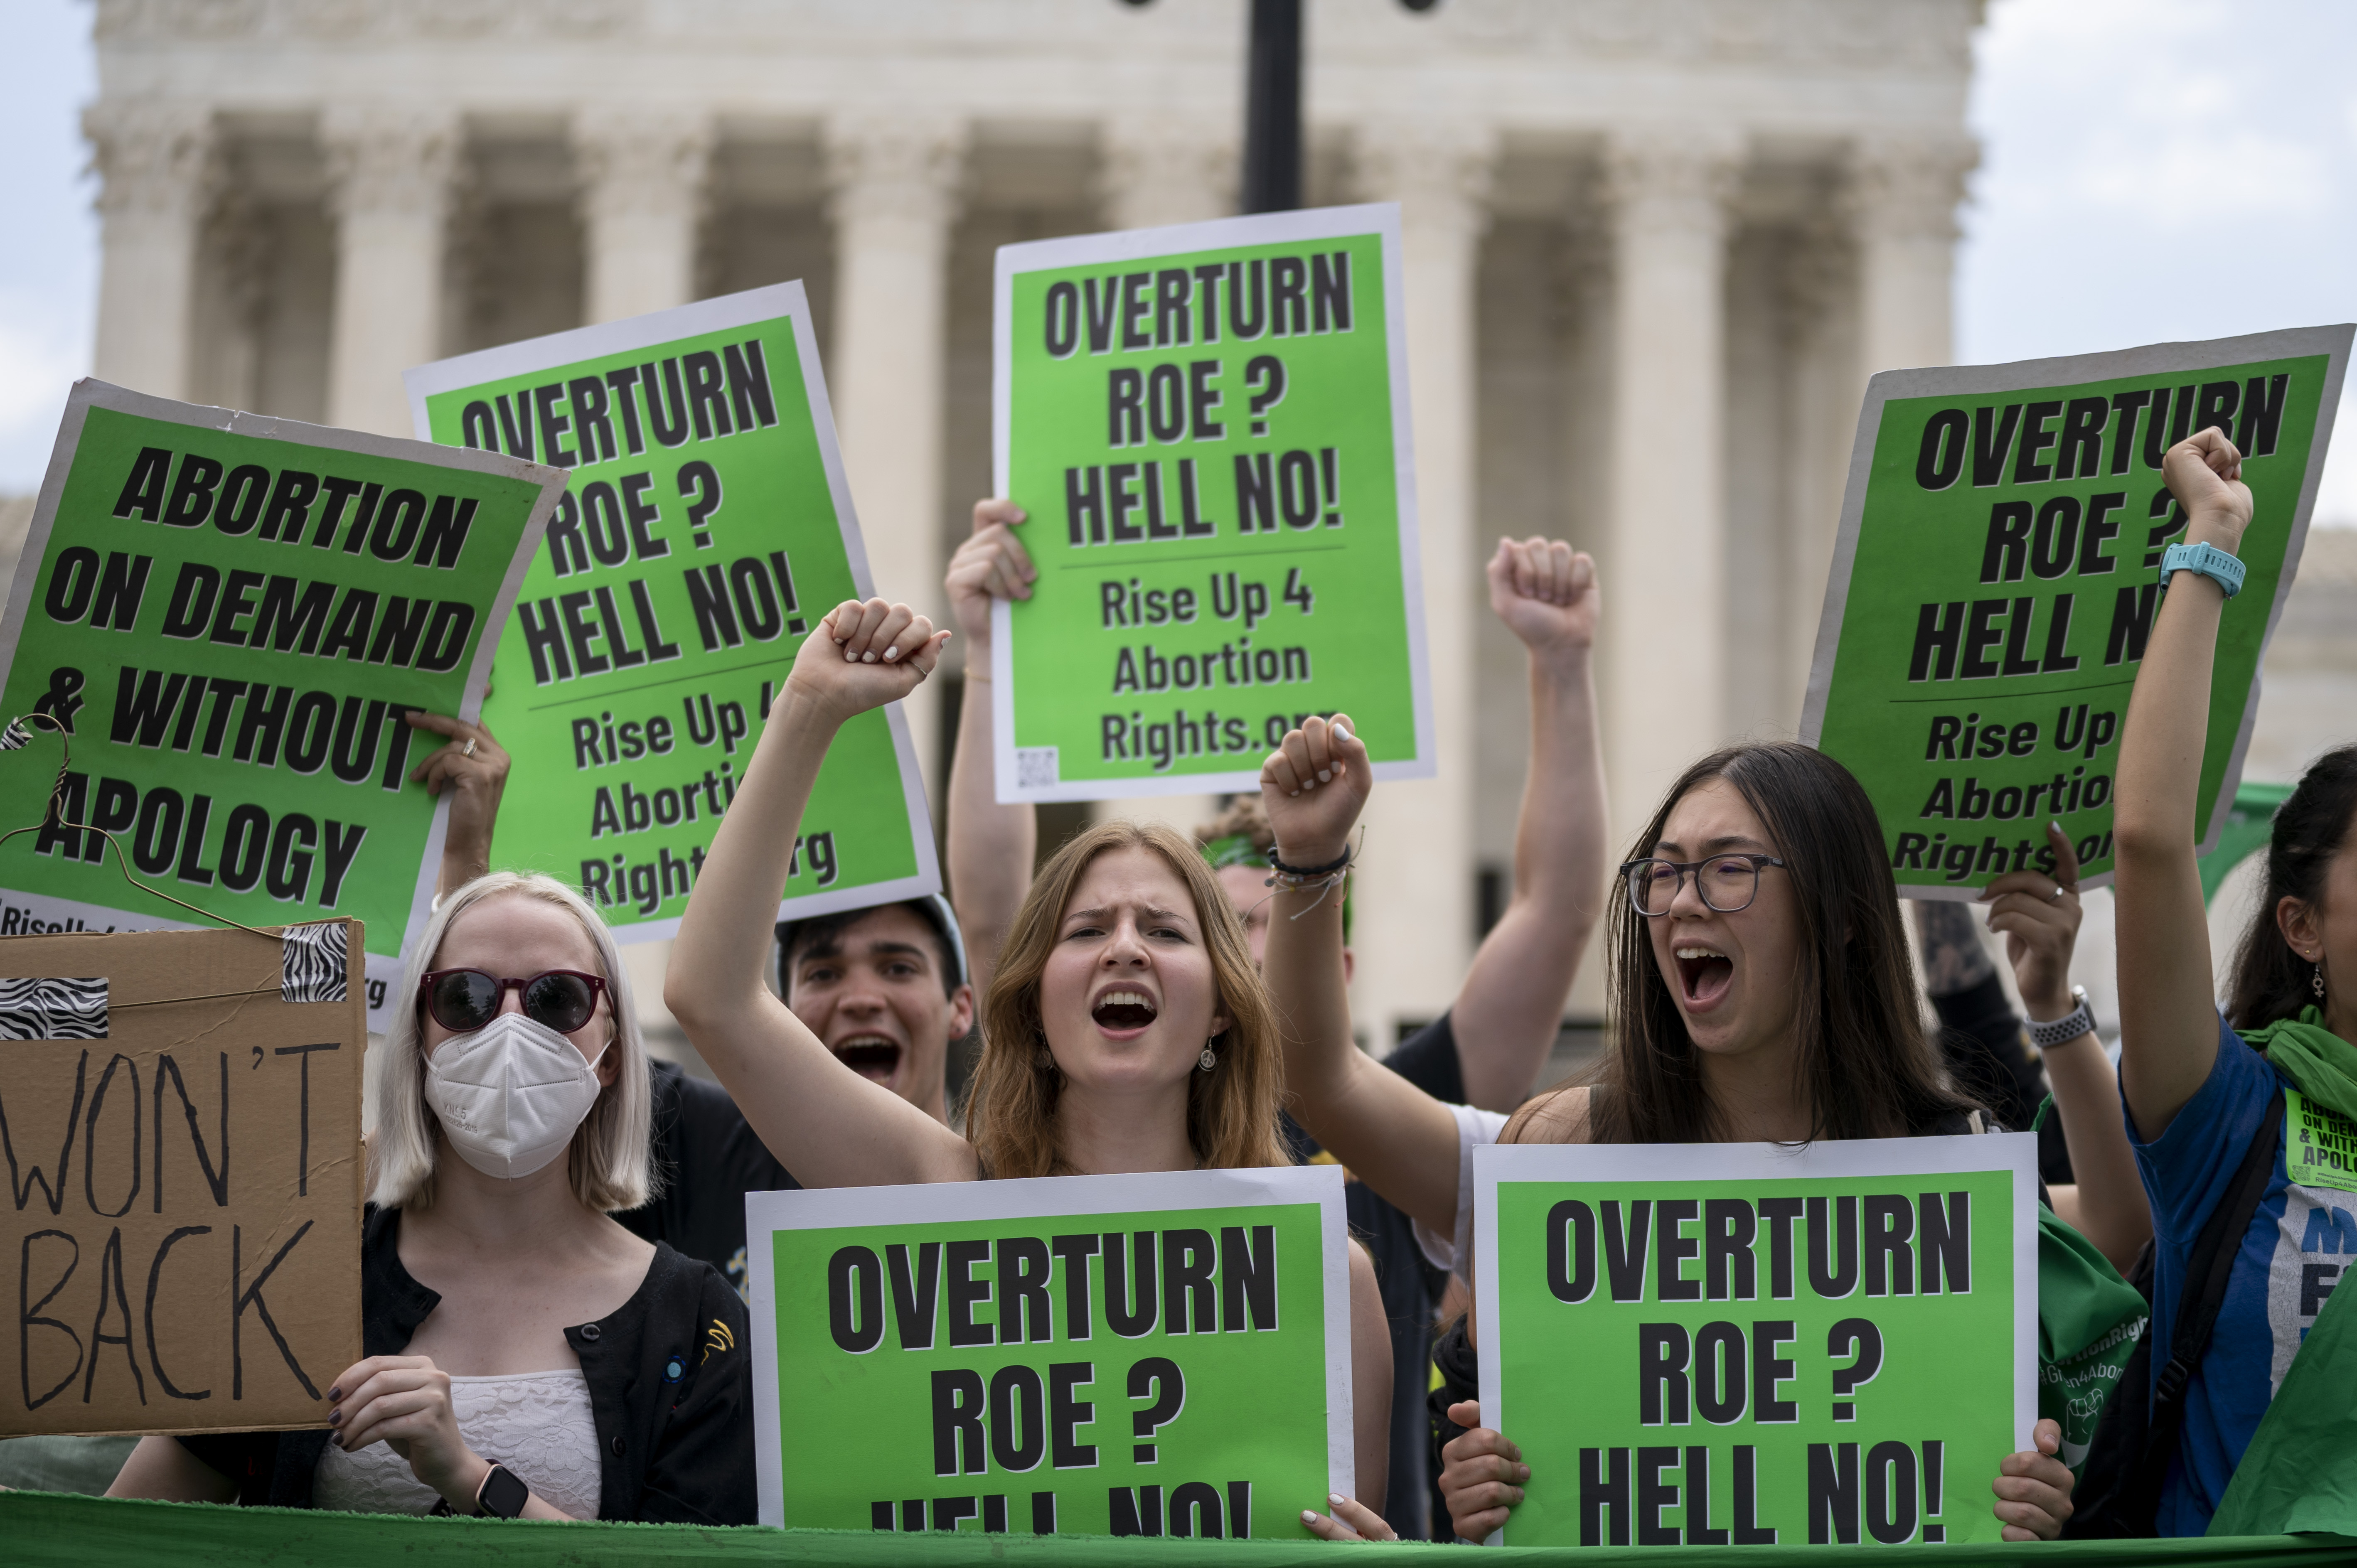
(510, 1094)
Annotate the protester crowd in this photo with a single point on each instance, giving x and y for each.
(552, 1282)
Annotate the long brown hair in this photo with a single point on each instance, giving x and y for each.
(2272, 981)
(1865, 1066)
(1231, 1110)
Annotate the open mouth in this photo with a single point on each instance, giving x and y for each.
(869, 1056)
(1704, 973)
(1121, 1012)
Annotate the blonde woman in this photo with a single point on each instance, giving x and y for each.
(526, 1356)
(1125, 1029)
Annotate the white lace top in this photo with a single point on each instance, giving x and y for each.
(539, 1424)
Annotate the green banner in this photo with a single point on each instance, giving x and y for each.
(1208, 427)
(707, 528)
(1124, 1355)
(1718, 1343)
(47, 1530)
(230, 616)
(1996, 574)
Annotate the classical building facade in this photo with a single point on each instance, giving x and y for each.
(1652, 251)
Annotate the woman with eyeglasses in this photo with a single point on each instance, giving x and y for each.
(526, 1356)
(1762, 992)
(1125, 1030)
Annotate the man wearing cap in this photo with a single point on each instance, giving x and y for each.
(885, 989)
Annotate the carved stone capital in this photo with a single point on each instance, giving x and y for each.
(894, 167)
(156, 157)
(384, 159)
(1909, 188)
(1154, 173)
(1672, 180)
(642, 166)
(1438, 173)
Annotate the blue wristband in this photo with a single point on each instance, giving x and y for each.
(2207, 560)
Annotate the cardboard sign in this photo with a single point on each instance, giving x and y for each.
(1716, 1344)
(707, 528)
(1121, 1355)
(1208, 427)
(1997, 576)
(180, 1115)
(230, 615)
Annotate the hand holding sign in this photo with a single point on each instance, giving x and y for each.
(864, 656)
(992, 564)
(2205, 473)
(2033, 1490)
(474, 768)
(1480, 1476)
(2039, 917)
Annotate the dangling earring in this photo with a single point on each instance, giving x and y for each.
(1207, 1061)
(2318, 983)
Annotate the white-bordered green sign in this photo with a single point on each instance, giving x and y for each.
(1745, 1344)
(234, 614)
(1996, 574)
(706, 527)
(1207, 426)
(1120, 1354)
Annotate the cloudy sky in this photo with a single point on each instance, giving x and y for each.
(2152, 170)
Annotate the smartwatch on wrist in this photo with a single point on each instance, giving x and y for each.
(2079, 1020)
(502, 1494)
(2207, 560)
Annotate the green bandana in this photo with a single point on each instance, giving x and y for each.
(1236, 849)
(2320, 1063)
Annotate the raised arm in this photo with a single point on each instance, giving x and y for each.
(2168, 1022)
(991, 846)
(1510, 1009)
(823, 1122)
(473, 767)
(2039, 917)
(1394, 1137)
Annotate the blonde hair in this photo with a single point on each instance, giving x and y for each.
(610, 1163)
(1231, 1110)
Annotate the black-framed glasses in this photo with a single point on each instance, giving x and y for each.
(464, 1000)
(1727, 883)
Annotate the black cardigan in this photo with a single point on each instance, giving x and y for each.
(670, 1388)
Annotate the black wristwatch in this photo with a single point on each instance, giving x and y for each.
(503, 1495)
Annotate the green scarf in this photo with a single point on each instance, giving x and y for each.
(2320, 1063)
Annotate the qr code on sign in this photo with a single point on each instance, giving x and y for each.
(1035, 767)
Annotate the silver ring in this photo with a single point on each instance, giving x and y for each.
(2056, 895)
(470, 751)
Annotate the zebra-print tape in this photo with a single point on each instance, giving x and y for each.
(53, 1008)
(16, 737)
(314, 966)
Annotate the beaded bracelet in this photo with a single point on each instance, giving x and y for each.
(1301, 879)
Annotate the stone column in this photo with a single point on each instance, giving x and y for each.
(392, 172)
(642, 194)
(157, 172)
(1156, 172)
(895, 197)
(1902, 200)
(1415, 926)
(1663, 644)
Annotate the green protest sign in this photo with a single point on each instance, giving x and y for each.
(1208, 427)
(707, 528)
(229, 616)
(1121, 1355)
(1996, 573)
(1744, 1344)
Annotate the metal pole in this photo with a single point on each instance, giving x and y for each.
(1273, 109)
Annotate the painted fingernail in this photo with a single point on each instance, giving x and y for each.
(335, 1394)
(868, 659)
(1324, 775)
(1308, 1517)
(335, 1418)
(1292, 791)
(891, 654)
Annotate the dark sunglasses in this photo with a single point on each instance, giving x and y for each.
(464, 1000)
